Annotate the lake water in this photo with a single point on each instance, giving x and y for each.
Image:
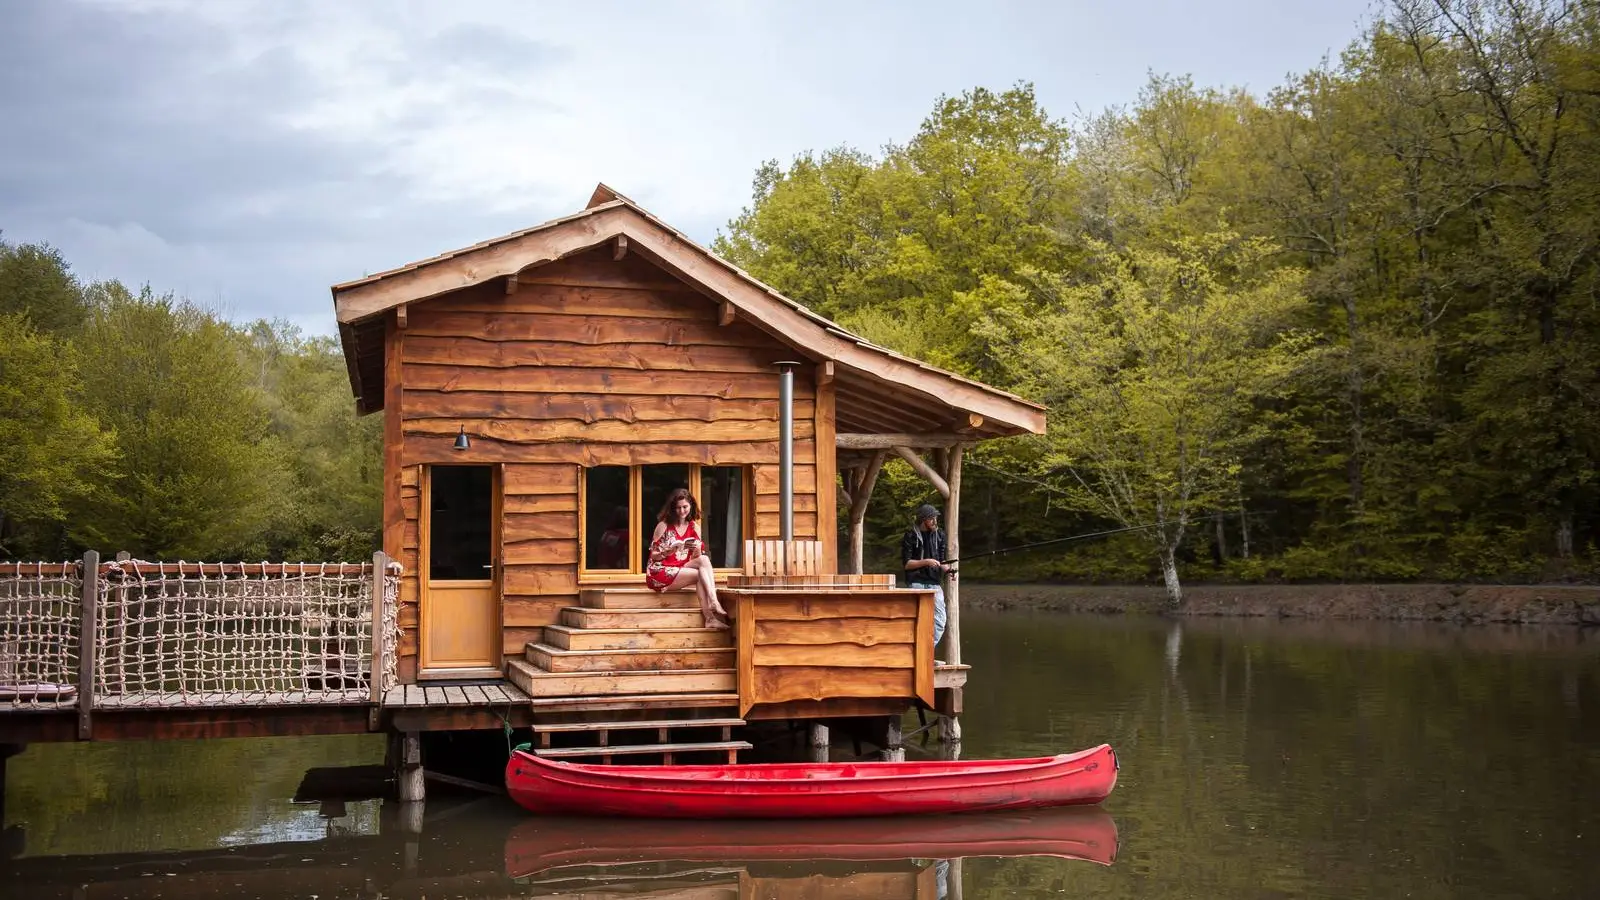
(1259, 759)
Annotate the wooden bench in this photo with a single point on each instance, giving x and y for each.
(783, 558)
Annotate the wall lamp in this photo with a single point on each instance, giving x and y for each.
(461, 439)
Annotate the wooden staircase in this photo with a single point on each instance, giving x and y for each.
(642, 661)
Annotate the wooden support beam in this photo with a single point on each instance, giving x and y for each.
(511, 284)
(971, 422)
(921, 467)
(825, 372)
(87, 626)
(400, 311)
(860, 496)
(726, 313)
(621, 248)
(848, 441)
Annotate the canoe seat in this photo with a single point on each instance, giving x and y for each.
(782, 557)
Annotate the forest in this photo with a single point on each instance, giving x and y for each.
(1349, 329)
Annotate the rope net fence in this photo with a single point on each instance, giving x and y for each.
(223, 634)
(40, 612)
(198, 634)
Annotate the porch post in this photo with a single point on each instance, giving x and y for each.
(952, 587)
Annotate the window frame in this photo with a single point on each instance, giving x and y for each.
(635, 572)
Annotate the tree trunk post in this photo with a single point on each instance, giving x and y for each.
(952, 524)
(860, 496)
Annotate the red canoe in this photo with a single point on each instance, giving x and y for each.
(810, 790)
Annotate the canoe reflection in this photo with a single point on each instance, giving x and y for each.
(540, 844)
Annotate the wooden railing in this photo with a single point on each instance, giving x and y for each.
(133, 634)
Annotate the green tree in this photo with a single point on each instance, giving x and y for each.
(36, 282)
(200, 473)
(52, 450)
(1152, 364)
(334, 508)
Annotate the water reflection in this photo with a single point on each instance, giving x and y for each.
(1260, 758)
(483, 848)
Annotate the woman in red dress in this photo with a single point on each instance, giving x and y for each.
(677, 557)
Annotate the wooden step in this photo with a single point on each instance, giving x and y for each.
(634, 702)
(636, 598)
(557, 659)
(731, 748)
(578, 617)
(535, 683)
(649, 725)
(567, 637)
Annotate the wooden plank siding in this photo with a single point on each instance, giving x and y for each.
(821, 645)
(589, 361)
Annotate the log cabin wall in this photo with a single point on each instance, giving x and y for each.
(588, 361)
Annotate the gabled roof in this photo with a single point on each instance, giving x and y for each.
(361, 306)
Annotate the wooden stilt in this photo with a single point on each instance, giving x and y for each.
(955, 879)
(410, 775)
(950, 737)
(411, 816)
(819, 742)
(894, 749)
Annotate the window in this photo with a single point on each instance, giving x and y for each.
(461, 523)
(620, 504)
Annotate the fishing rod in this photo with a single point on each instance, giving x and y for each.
(1084, 537)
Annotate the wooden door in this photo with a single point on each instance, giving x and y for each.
(460, 623)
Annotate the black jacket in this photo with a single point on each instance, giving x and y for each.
(919, 544)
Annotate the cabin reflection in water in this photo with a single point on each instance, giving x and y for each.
(485, 850)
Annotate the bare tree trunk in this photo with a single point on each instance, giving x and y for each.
(1169, 573)
(1244, 522)
(1222, 538)
(1564, 537)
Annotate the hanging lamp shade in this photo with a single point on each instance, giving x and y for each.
(462, 443)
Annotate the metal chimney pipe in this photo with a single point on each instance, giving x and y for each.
(786, 449)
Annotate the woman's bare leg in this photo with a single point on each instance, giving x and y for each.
(708, 577)
(690, 576)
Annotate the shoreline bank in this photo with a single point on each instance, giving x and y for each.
(1460, 603)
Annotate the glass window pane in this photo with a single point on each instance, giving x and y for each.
(656, 482)
(722, 506)
(605, 518)
(461, 523)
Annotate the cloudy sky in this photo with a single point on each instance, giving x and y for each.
(248, 154)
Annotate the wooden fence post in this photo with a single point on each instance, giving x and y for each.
(90, 602)
(380, 570)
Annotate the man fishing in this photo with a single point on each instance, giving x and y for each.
(922, 553)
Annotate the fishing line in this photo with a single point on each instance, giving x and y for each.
(1084, 537)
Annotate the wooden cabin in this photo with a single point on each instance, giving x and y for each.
(543, 391)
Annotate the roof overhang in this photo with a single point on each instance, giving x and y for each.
(896, 393)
